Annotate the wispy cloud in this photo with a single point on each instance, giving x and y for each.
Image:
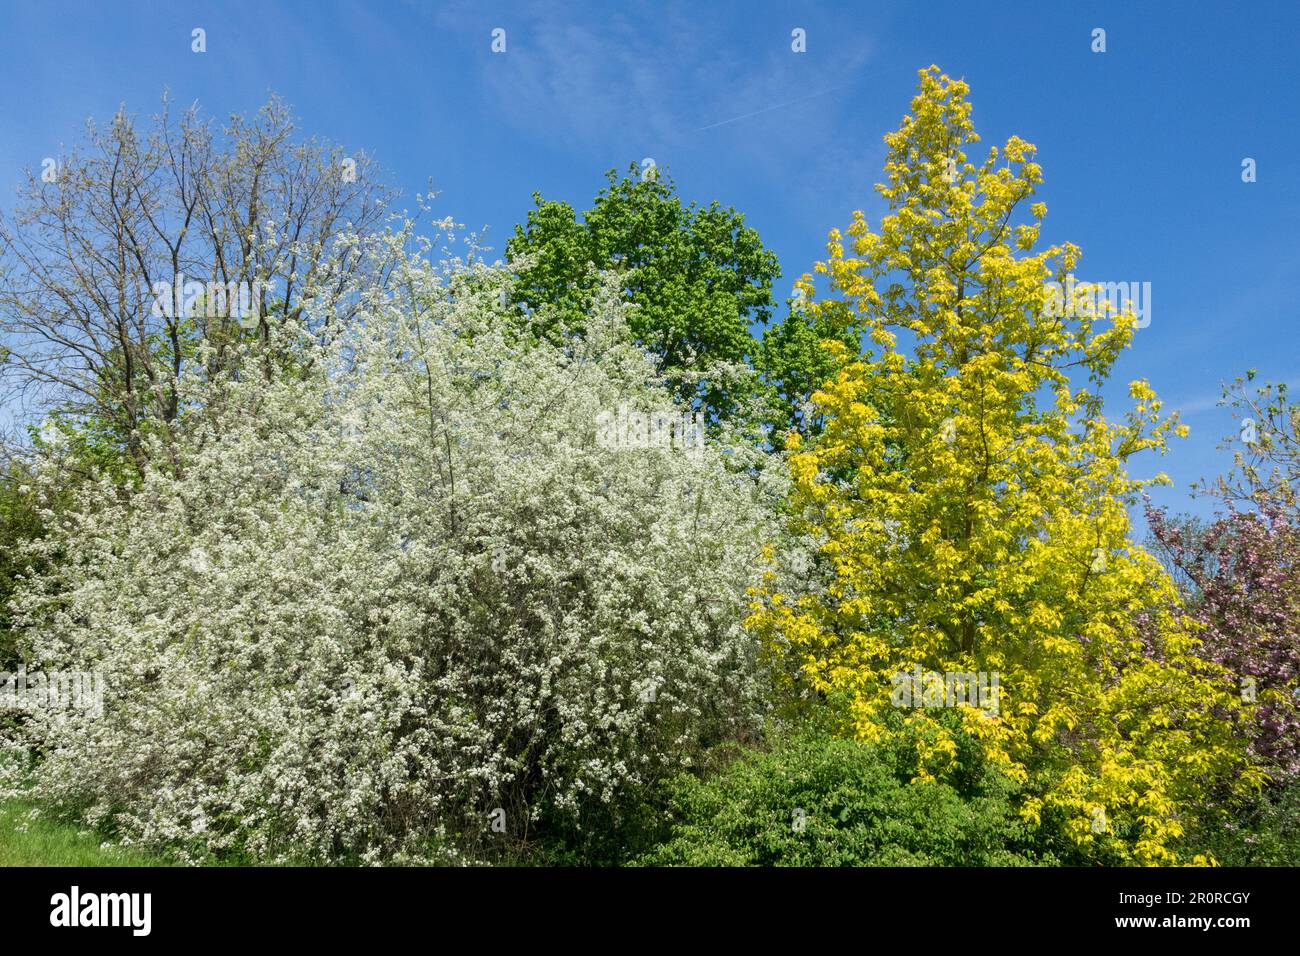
(659, 76)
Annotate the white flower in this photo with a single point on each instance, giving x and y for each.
(366, 561)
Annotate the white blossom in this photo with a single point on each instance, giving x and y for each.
(378, 597)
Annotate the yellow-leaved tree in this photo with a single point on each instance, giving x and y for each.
(968, 501)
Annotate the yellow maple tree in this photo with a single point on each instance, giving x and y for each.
(968, 499)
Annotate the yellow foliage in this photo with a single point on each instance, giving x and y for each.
(970, 502)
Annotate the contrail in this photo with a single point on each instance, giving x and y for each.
(778, 106)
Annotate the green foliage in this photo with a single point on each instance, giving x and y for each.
(795, 363)
(702, 282)
(19, 522)
(699, 276)
(818, 801)
(1263, 832)
(86, 448)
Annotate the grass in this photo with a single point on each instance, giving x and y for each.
(28, 841)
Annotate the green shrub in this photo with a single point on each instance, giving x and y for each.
(1265, 832)
(19, 522)
(816, 801)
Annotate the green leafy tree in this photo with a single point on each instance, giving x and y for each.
(700, 279)
(795, 362)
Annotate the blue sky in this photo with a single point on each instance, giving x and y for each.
(1141, 146)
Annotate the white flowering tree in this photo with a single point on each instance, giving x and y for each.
(394, 601)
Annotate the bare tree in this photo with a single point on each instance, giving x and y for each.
(143, 245)
(1266, 446)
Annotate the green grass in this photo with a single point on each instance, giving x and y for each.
(25, 841)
